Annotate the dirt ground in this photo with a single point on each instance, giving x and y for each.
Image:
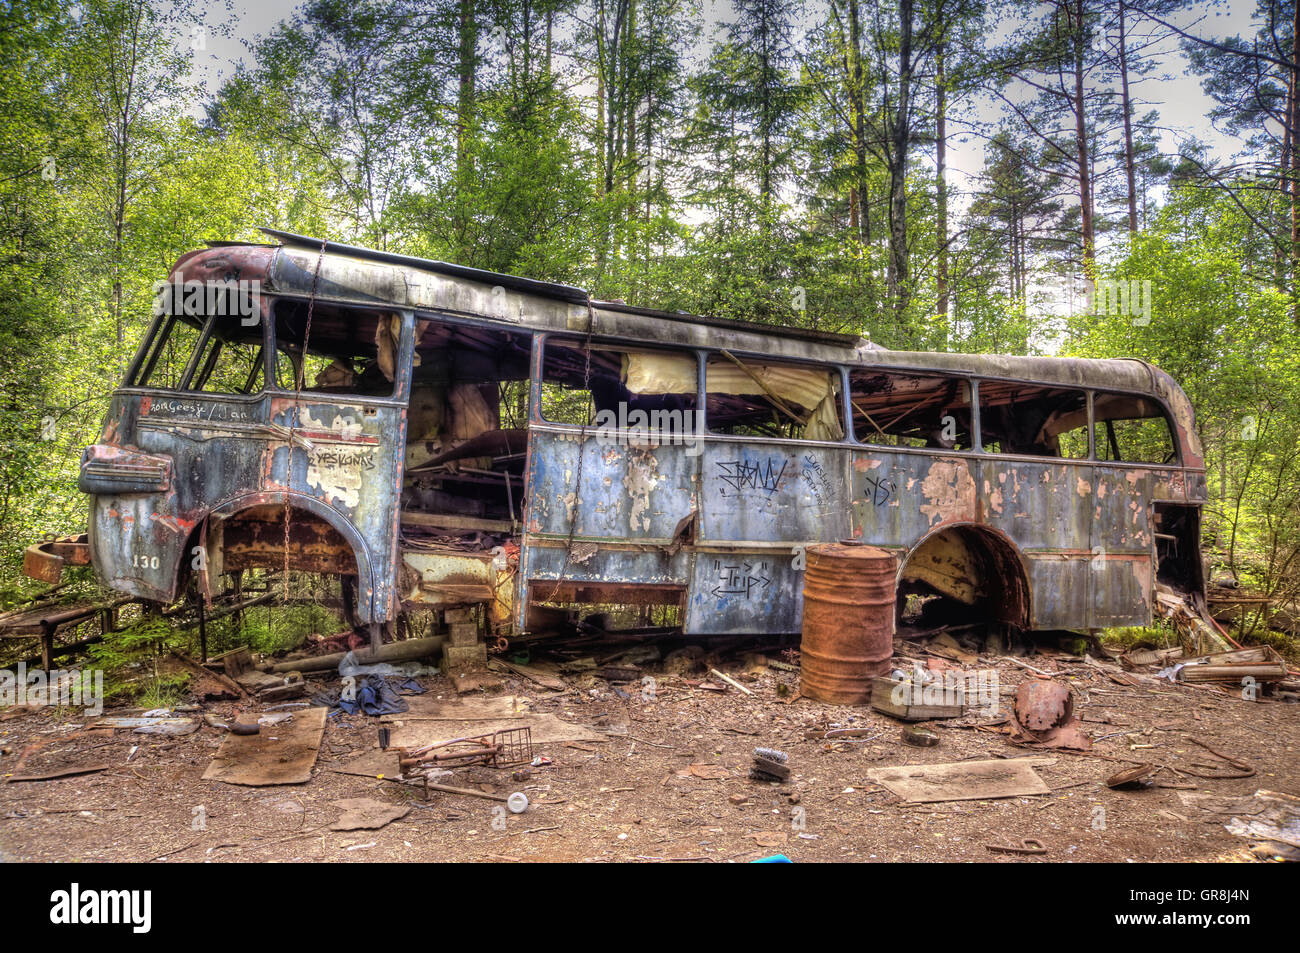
(633, 797)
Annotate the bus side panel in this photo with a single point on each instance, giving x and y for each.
(354, 466)
(900, 497)
(631, 503)
(222, 458)
(759, 501)
(1046, 510)
(1062, 590)
(1043, 508)
(627, 493)
(1123, 560)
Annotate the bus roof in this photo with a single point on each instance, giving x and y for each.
(298, 265)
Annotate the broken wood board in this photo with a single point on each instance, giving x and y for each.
(535, 674)
(1264, 815)
(963, 780)
(57, 773)
(145, 725)
(884, 691)
(1260, 662)
(278, 754)
(367, 814)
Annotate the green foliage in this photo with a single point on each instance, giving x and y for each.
(1231, 339)
(130, 660)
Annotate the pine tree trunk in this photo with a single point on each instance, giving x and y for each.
(1081, 142)
(465, 92)
(899, 265)
(859, 204)
(1127, 104)
(941, 193)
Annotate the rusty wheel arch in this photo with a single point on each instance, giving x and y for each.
(327, 514)
(1007, 562)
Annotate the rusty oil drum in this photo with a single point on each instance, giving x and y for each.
(848, 621)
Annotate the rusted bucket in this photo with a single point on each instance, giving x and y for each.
(848, 621)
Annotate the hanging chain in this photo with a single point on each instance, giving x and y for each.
(582, 441)
(293, 418)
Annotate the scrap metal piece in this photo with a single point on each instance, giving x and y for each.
(1135, 777)
(1043, 704)
(498, 748)
(919, 737)
(770, 765)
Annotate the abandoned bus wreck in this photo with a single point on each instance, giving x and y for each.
(444, 437)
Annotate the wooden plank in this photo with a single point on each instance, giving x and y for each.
(882, 691)
(57, 773)
(284, 754)
(451, 521)
(536, 675)
(963, 780)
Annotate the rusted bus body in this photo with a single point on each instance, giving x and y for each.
(402, 473)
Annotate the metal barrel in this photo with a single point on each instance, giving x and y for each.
(848, 621)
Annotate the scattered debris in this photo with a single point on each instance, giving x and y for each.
(533, 674)
(1043, 715)
(142, 725)
(1198, 770)
(1132, 778)
(899, 696)
(56, 773)
(229, 685)
(730, 681)
(1269, 816)
(1041, 706)
(506, 746)
(1261, 663)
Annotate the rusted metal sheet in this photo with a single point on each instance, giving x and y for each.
(1042, 704)
(739, 592)
(898, 498)
(447, 579)
(45, 561)
(848, 622)
(773, 491)
(1078, 535)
